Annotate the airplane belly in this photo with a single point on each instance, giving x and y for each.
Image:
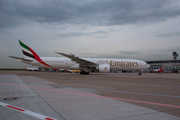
(57, 64)
(75, 66)
(124, 68)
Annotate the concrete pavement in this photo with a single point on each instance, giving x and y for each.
(39, 96)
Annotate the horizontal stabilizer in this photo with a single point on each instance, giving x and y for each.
(21, 59)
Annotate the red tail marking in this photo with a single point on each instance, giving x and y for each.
(38, 58)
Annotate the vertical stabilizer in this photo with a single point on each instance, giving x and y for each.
(30, 54)
(26, 50)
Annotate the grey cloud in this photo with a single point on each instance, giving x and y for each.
(71, 34)
(96, 12)
(98, 34)
(170, 34)
(129, 52)
(165, 54)
(175, 48)
(140, 55)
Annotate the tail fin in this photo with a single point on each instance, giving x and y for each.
(25, 67)
(27, 51)
(30, 54)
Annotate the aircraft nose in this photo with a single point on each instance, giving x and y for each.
(146, 65)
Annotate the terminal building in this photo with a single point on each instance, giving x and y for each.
(169, 66)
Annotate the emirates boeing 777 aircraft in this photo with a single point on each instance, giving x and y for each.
(84, 64)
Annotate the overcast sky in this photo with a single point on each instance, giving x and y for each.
(133, 29)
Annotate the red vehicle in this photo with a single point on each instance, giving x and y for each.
(158, 70)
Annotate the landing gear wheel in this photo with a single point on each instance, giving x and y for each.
(84, 73)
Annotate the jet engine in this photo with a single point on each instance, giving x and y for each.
(103, 68)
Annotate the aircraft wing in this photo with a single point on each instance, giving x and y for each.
(82, 62)
(21, 59)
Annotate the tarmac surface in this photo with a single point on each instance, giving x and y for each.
(98, 96)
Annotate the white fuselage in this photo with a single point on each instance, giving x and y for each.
(115, 64)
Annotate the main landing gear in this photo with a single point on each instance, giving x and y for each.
(140, 72)
(84, 73)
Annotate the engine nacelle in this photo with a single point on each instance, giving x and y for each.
(103, 68)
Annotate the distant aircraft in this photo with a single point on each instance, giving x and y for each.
(158, 70)
(31, 69)
(63, 70)
(84, 64)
